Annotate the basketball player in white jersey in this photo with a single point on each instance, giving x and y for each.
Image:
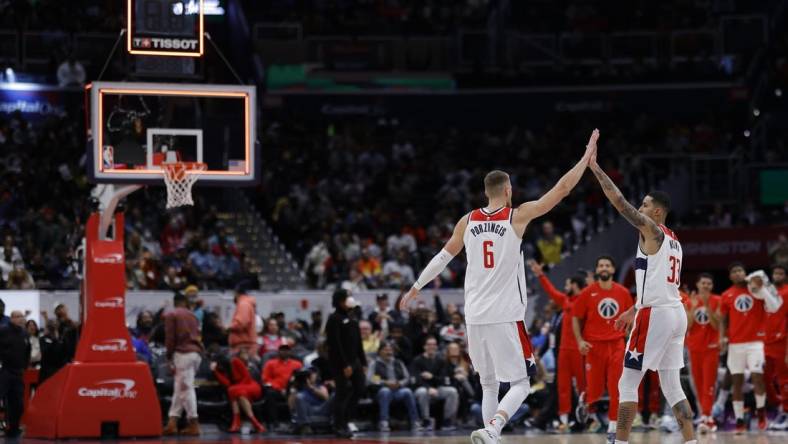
(657, 340)
(495, 296)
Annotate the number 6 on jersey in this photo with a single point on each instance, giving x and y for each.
(489, 259)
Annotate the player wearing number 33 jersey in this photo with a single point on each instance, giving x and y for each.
(495, 294)
(656, 341)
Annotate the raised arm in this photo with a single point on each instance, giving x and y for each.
(528, 211)
(438, 263)
(557, 296)
(649, 229)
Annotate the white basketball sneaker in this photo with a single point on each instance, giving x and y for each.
(484, 436)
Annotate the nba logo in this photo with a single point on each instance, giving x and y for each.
(108, 161)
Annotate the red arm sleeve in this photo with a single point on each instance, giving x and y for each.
(560, 298)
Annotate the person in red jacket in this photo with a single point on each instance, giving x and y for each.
(776, 350)
(570, 362)
(276, 375)
(743, 310)
(702, 342)
(241, 389)
(594, 312)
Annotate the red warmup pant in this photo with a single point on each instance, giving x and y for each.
(252, 391)
(570, 365)
(604, 365)
(704, 374)
(653, 393)
(775, 374)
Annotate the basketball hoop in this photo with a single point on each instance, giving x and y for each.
(179, 178)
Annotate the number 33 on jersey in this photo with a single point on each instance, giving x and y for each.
(494, 257)
(658, 276)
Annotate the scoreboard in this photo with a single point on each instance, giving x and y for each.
(165, 27)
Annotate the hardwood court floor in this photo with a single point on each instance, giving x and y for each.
(374, 438)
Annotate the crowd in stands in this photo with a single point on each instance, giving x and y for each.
(365, 204)
(44, 204)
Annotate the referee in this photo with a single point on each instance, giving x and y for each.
(347, 359)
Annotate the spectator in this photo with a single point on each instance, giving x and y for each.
(6, 264)
(4, 320)
(140, 335)
(369, 340)
(355, 282)
(347, 358)
(455, 332)
(67, 331)
(382, 315)
(308, 400)
(192, 293)
(242, 389)
(778, 252)
(459, 367)
(271, 338)
(204, 263)
(71, 73)
(213, 332)
(35, 345)
(550, 245)
(276, 375)
(8, 245)
(19, 278)
(15, 358)
(403, 348)
(397, 272)
(390, 377)
(433, 382)
(53, 356)
(369, 267)
(182, 339)
(242, 328)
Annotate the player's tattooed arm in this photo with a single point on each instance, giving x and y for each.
(644, 224)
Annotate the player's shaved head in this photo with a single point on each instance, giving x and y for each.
(495, 183)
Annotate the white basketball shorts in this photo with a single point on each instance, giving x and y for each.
(657, 339)
(746, 356)
(501, 351)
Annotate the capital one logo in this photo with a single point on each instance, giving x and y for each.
(702, 316)
(109, 303)
(111, 345)
(114, 258)
(110, 388)
(743, 303)
(607, 308)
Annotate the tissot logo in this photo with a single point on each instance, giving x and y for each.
(110, 388)
(161, 43)
(109, 303)
(111, 345)
(114, 258)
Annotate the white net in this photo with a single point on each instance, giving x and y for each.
(179, 178)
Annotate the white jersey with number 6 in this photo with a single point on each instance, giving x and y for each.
(495, 277)
(658, 276)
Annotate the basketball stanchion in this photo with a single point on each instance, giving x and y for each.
(105, 391)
